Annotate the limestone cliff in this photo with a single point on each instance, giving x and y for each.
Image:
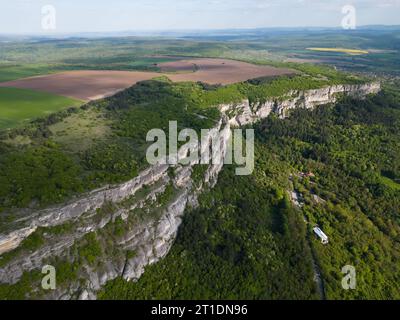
(245, 113)
(150, 225)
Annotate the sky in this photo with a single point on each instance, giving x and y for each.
(71, 16)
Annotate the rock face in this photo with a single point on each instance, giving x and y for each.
(12, 240)
(149, 238)
(244, 113)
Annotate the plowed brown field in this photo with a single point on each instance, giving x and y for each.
(92, 85)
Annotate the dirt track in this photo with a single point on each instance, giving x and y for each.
(92, 85)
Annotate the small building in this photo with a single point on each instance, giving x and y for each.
(324, 238)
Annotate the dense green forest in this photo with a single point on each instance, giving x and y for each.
(244, 242)
(247, 241)
(103, 142)
(42, 163)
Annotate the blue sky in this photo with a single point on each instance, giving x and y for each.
(25, 16)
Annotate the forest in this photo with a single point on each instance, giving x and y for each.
(40, 166)
(248, 241)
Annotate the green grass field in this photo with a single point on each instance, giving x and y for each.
(20, 105)
(24, 70)
(10, 73)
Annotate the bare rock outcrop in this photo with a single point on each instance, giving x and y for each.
(244, 113)
(150, 237)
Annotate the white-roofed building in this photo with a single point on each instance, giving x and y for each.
(324, 238)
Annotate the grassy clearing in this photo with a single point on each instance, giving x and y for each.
(340, 50)
(18, 141)
(20, 105)
(86, 126)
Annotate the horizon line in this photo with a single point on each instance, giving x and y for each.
(185, 30)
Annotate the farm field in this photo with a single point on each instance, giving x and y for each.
(14, 72)
(221, 71)
(21, 105)
(83, 85)
(92, 85)
(340, 50)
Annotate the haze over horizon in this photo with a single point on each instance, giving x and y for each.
(72, 16)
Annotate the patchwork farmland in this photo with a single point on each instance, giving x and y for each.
(94, 84)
